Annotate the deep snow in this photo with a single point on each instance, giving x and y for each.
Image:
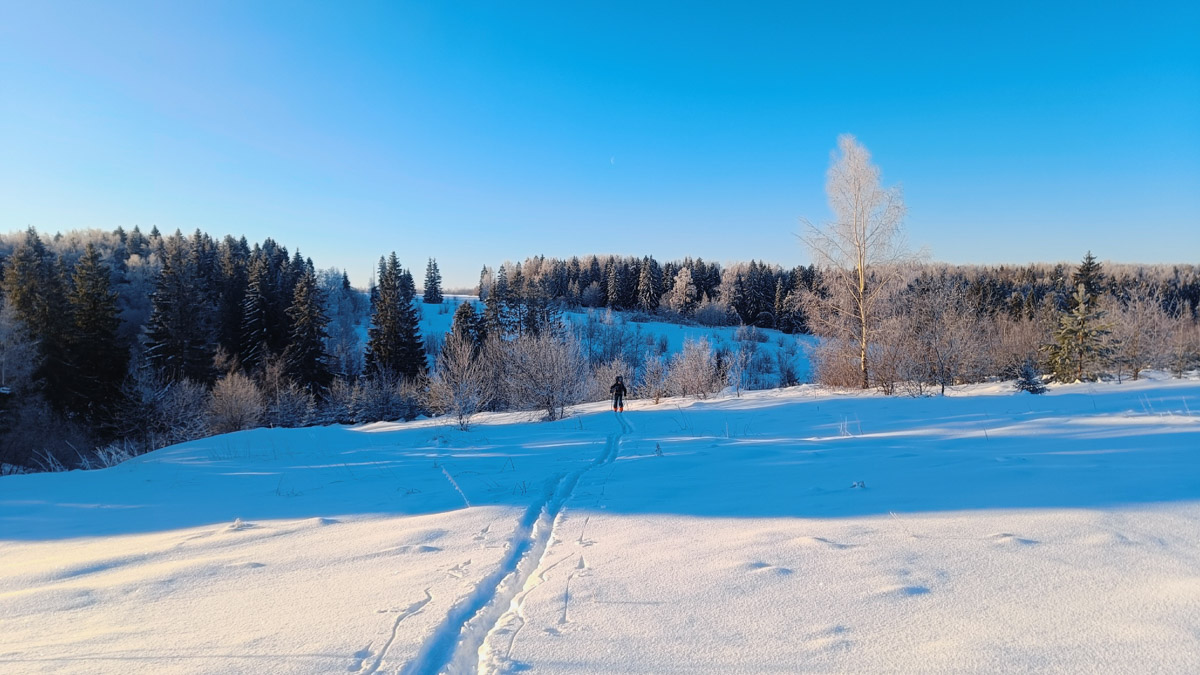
(993, 531)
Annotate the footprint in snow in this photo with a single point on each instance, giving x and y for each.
(760, 566)
(1011, 539)
(416, 548)
(902, 591)
(429, 535)
(830, 638)
(825, 543)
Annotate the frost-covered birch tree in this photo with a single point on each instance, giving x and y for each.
(859, 252)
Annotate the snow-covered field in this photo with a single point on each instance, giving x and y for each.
(989, 532)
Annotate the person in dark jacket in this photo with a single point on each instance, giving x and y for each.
(618, 393)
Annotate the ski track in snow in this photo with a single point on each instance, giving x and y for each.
(466, 641)
(409, 611)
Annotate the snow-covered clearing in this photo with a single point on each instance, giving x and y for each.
(992, 532)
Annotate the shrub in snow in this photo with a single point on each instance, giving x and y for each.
(165, 412)
(546, 372)
(737, 366)
(1184, 345)
(290, 406)
(461, 384)
(694, 370)
(605, 374)
(338, 405)
(236, 404)
(653, 384)
(1029, 379)
(715, 313)
(785, 363)
(835, 363)
(750, 334)
(112, 455)
(385, 398)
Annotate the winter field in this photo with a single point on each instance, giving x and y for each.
(992, 531)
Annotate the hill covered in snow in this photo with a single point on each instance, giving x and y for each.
(796, 530)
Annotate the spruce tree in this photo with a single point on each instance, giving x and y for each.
(1079, 341)
(739, 301)
(34, 285)
(412, 348)
(433, 284)
(179, 339)
(466, 324)
(137, 244)
(516, 303)
(96, 355)
(305, 359)
(1091, 276)
(493, 310)
(253, 350)
(232, 280)
(383, 349)
(649, 289)
(394, 344)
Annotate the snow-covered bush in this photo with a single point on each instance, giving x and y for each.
(461, 384)
(338, 405)
(654, 384)
(545, 372)
(835, 363)
(750, 334)
(715, 313)
(111, 455)
(694, 370)
(385, 398)
(605, 374)
(1184, 345)
(236, 404)
(287, 403)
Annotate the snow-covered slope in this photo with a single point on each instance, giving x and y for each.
(988, 531)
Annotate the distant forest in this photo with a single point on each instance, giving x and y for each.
(116, 343)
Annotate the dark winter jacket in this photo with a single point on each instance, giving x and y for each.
(618, 389)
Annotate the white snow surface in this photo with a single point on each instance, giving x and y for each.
(988, 531)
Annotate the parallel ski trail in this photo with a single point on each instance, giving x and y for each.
(460, 643)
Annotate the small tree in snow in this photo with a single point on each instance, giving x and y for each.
(654, 384)
(1080, 342)
(682, 296)
(460, 384)
(859, 253)
(433, 284)
(546, 372)
(694, 370)
(236, 404)
(1029, 379)
(1140, 333)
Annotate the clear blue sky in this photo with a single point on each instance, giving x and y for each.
(479, 132)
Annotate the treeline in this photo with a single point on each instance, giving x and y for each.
(768, 296)
(753, 293)
(940, 325)
(115, 343)
(119, 336)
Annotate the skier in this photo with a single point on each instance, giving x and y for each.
(618, 393)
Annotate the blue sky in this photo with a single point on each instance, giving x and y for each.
(479, 132)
